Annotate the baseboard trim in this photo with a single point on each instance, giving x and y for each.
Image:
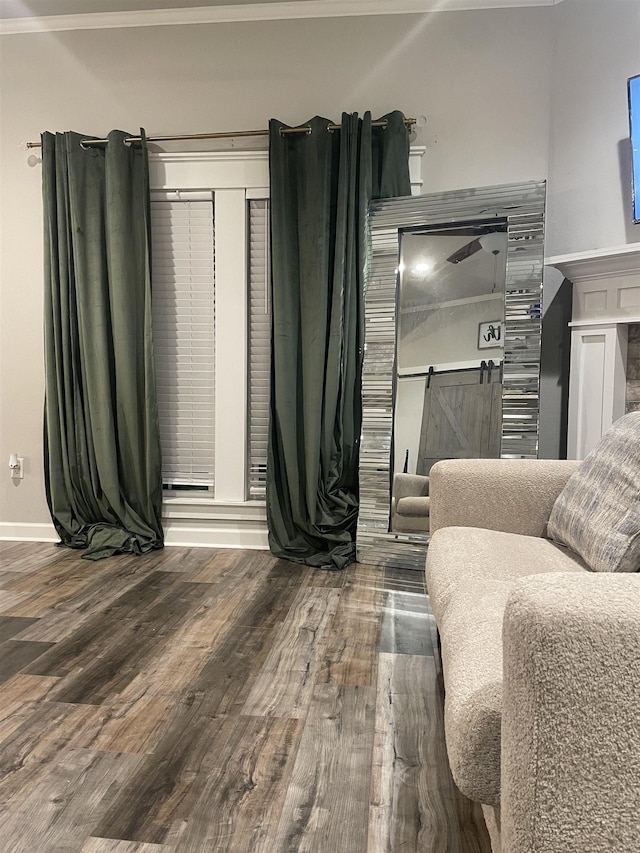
(13, 531)
(212, 536)
(205, 534)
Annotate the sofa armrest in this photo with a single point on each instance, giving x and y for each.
(570, 770)
(511, 495)
(410, 485)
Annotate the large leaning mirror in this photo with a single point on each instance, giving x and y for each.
(452, 350)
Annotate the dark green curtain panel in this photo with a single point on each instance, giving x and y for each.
(102, 447)
(321, 185)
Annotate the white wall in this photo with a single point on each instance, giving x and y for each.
(407, 422)
(482, 79)
(450, 334)
(597, 48)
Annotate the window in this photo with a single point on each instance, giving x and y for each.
(183, 282)
(183, 274)
(212, 331)
(259, 345)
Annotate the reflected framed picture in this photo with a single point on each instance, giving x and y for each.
(490, 334)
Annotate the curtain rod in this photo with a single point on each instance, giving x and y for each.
(225, 135)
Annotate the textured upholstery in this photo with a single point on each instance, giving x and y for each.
(542, 705)
(411, 524)
(492, 819)
(413, 506)
(470, 573)
(571, 715)
(513, 495)
(405, 485)
(597, 514)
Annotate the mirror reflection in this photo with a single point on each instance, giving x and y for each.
(450, 340)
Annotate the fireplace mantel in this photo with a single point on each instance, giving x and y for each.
(599, 262)
(606, 298)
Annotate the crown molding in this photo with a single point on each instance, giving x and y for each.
(598, 263)
(276, 11)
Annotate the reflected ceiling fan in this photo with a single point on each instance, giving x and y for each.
(465, 252)
(492, 242)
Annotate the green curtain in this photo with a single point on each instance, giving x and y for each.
(102, 447)
(321, 184)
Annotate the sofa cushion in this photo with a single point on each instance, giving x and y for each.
(413, 506)
(410, 523)
(597, 514)
(470, 573)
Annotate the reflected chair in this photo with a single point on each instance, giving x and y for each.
(410, 504)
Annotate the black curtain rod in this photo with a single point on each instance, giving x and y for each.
(410, 122)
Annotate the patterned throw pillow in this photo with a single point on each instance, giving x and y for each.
(597, 514)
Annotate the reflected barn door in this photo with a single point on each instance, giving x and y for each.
(461, 417)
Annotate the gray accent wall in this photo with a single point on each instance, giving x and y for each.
(555, 355)
(633, 369)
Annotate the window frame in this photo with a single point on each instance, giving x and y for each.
(227, 517)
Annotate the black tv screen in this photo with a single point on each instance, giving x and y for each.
(634, 122)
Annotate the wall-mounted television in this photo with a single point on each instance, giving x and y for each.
(634, 123)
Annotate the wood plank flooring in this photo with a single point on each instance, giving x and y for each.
(222, 701)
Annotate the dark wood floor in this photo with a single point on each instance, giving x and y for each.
(200, 700)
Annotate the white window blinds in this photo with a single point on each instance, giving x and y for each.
(259, 345)
(183, 276)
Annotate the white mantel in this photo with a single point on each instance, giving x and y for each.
(606, 298)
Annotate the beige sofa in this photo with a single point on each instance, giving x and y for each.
(541, 663)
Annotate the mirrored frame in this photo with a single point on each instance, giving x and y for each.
(522, 207)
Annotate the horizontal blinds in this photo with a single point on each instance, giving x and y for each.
(259, 345)
(183, 275)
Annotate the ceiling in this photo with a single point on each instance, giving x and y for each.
(30, 15)
(40, 8)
